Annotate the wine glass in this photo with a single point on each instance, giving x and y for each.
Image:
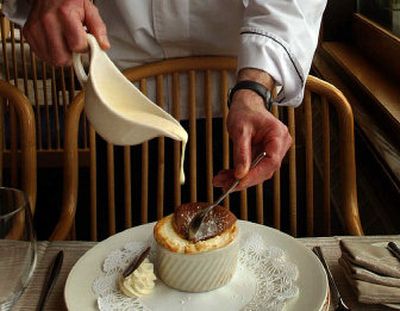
(18, 250)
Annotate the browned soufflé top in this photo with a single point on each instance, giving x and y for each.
(218, 220)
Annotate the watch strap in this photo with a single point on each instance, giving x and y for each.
(256, 87)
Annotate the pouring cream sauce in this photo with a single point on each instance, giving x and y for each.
(116, 108)
(167, 128)
(145, 121)
(149, 125)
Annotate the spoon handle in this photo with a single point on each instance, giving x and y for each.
(197, 220)
(223, 196)
(237, 181)
(258, 159)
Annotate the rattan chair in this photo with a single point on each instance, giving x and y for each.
(126, 186)
(17, 127)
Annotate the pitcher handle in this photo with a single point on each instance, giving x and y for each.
(79, 70)
(77, 60)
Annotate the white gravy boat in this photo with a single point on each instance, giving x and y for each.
(118, 111)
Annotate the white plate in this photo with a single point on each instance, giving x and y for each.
(312, 281)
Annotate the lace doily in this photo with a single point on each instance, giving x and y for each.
(264, 280)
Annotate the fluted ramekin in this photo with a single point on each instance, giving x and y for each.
(198, 272)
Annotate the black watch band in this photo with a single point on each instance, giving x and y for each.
(254, 86)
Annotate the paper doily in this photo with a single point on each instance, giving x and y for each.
(264, 280)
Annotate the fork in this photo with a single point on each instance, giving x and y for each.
(340, 306)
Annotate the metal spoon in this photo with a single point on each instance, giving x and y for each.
(196, 222)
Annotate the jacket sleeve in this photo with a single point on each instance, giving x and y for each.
(17, 10)
(280, 37)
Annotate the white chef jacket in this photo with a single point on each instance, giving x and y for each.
(277, 36)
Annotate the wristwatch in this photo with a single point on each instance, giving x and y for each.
(260, 89)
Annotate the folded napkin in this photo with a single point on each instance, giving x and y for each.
(373, 272)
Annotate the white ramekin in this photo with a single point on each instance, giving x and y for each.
(197, 272)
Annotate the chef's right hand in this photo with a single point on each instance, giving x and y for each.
(55, 28)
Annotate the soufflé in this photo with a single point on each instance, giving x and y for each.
(202, 265)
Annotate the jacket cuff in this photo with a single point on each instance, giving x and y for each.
(264, 51)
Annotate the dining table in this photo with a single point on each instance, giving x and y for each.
(73, 250)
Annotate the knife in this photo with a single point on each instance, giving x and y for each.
(50, 280)
(394, 249)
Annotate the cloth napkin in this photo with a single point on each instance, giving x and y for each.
(373, 272)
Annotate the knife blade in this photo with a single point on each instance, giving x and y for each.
(51, 277)
(394, 249)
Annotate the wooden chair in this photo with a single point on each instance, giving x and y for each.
(142, 182)
(18, 162)
(50, 90)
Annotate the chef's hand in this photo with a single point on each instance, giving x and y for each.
(253, 129)
(55, 28)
